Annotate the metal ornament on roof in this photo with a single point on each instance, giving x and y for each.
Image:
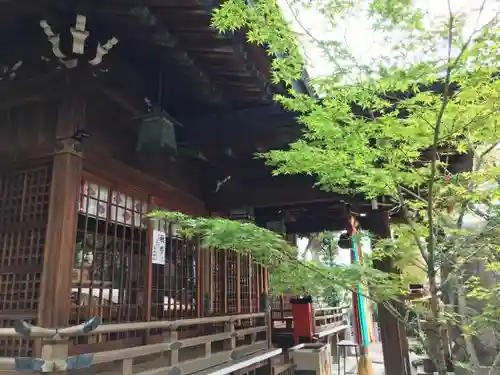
(80, 35)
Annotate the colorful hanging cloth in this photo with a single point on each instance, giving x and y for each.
(363, 320)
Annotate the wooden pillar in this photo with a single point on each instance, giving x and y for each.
(59, 250)
(393, 332)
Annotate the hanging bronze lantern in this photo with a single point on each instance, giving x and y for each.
(156, 133)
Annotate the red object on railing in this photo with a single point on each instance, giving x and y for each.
(303, 320)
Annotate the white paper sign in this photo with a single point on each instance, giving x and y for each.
(159, 243)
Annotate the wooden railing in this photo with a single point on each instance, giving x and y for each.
(231, 350)
(330, 326)
(324, 318)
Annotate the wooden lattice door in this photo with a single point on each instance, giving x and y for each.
(174, 283)
(24, 207)
(109, 269)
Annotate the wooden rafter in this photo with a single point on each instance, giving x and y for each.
(241, 50)
(163, 37)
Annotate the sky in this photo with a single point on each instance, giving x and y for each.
(356, 32)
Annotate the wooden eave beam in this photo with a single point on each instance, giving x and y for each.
(245, 131)
(163, 37)
(241, 50)
(239, 196)
(261, 116)
(237, 45)
(243, 142)
(315, 226)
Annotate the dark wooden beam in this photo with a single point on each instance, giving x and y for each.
(245, 131)
(316, 225)
(258, 116)
(234, 196)
(163, 37)
(240, 48)
(308, 218)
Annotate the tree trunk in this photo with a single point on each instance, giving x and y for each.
(434, 331)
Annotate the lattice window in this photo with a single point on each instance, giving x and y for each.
(174, 284)
(24, 206)
(225, 273)
(110, 258)
(96, 200)
(256, 287)
(232, 282)
(245, 283)
(219, 261)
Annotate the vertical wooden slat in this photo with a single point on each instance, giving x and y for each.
(257, 285)
(212, 275)
(282, 306)
(199, 290)
(250, 283)
(59, 250)
(225, 285)
(266, 281)
(205, 278)
(238, 283)
(148, 285)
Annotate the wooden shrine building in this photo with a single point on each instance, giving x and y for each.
(109, 109)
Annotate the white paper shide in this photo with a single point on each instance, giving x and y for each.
(159, 244)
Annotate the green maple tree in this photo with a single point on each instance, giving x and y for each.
(390, 128)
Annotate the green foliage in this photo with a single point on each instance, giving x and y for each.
(405, 254)
(417, 348)
(332, 296)
(322, 245)
(287, 272)
(393, 126)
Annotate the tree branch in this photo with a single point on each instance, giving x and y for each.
(409, 220)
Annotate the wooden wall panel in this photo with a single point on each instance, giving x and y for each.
(27, 130)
